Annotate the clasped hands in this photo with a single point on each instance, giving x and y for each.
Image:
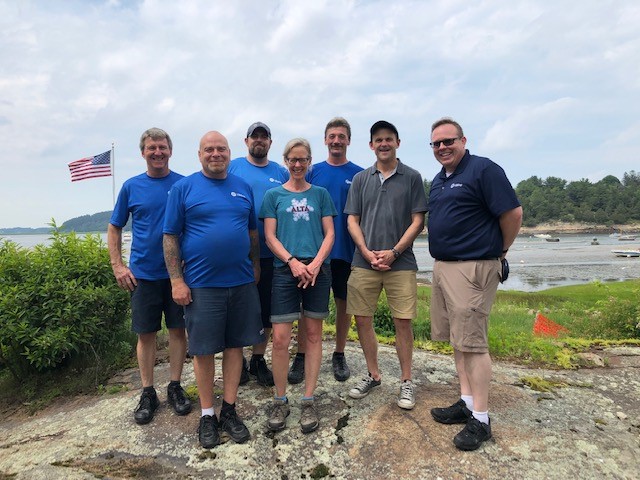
(306, 274)
(380, 260)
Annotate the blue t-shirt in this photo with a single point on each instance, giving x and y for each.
(213, 218)
(299, 219)
(145, 198)
(465, 209)
(261, 179)
(337, 180)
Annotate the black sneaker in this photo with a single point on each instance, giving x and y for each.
(472, 435)
(208, 434)
(237, 430)
(147, 406)
(363, 388)
(258, 368)
(456, 413)
(296, 372)
(178, 400)
(341, 370)
(244, 376)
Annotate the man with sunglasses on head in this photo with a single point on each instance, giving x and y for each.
(262, 175)
(474, 217)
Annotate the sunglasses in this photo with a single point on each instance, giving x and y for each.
(447, 142)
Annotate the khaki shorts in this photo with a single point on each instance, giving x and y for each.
(461, 298)
(364, 287)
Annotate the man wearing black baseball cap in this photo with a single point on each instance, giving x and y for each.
(383, 221)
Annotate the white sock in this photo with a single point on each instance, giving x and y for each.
(482, 417)
(208, 411)
(468, 400)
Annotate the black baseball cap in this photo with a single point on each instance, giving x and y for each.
(383, 124)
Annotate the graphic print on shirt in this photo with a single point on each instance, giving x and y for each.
(300, 209)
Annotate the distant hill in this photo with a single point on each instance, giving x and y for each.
(84, 224)
(87, 223)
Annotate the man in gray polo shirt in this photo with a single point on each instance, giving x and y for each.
(386, 207)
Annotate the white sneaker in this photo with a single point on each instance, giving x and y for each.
(407, 399)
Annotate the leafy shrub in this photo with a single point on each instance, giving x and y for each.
(615, 318)
(382, 318)
(60, 305)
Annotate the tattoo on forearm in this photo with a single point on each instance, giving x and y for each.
(172, 256)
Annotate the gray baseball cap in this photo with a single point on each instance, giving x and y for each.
(255, 126)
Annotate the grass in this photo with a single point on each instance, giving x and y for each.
(596, 314)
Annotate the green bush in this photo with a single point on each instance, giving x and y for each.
(615, 318)
(59, 305)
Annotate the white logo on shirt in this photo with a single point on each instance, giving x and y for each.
(236, 194)
(274, 180)
(348, 182)
(456, 185)
(300, 209)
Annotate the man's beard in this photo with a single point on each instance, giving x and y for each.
(259, 152)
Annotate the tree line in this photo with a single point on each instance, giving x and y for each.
(609, 201)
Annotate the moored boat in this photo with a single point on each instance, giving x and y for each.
(626, 253)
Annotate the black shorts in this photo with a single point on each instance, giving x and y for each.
(340, 271)
(149, 300)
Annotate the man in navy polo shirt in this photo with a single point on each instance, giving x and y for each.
(474, 217)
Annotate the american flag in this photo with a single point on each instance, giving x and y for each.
(91, 167)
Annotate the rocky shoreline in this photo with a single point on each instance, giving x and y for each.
(588, 428)
(579, 228)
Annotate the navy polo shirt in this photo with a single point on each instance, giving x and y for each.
(465, 208)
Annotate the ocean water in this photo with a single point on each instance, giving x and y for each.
(535, 263)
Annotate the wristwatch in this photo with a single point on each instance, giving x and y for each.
(396, 253)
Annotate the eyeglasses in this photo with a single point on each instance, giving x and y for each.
(302, 161)
(447, 142)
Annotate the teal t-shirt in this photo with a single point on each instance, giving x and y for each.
(299, 219)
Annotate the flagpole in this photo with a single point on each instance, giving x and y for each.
(113, 174)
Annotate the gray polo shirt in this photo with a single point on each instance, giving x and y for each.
(385, 210)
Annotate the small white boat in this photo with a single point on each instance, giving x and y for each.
(542, 235)
(627, 238)
(626, 253)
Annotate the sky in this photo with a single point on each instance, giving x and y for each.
(542, 88)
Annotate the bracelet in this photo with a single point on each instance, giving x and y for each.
(289, 259)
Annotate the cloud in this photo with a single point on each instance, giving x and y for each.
(544, 88)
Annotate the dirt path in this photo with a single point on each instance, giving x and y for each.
(589, 429)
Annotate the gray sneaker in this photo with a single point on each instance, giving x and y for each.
(279, 413)
(407, 399)
(363, 388)
(309, 418)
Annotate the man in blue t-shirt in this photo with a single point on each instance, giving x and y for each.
(474, 217)
(212, 253)
(262, 175)
(335, 174)
(144, 198)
